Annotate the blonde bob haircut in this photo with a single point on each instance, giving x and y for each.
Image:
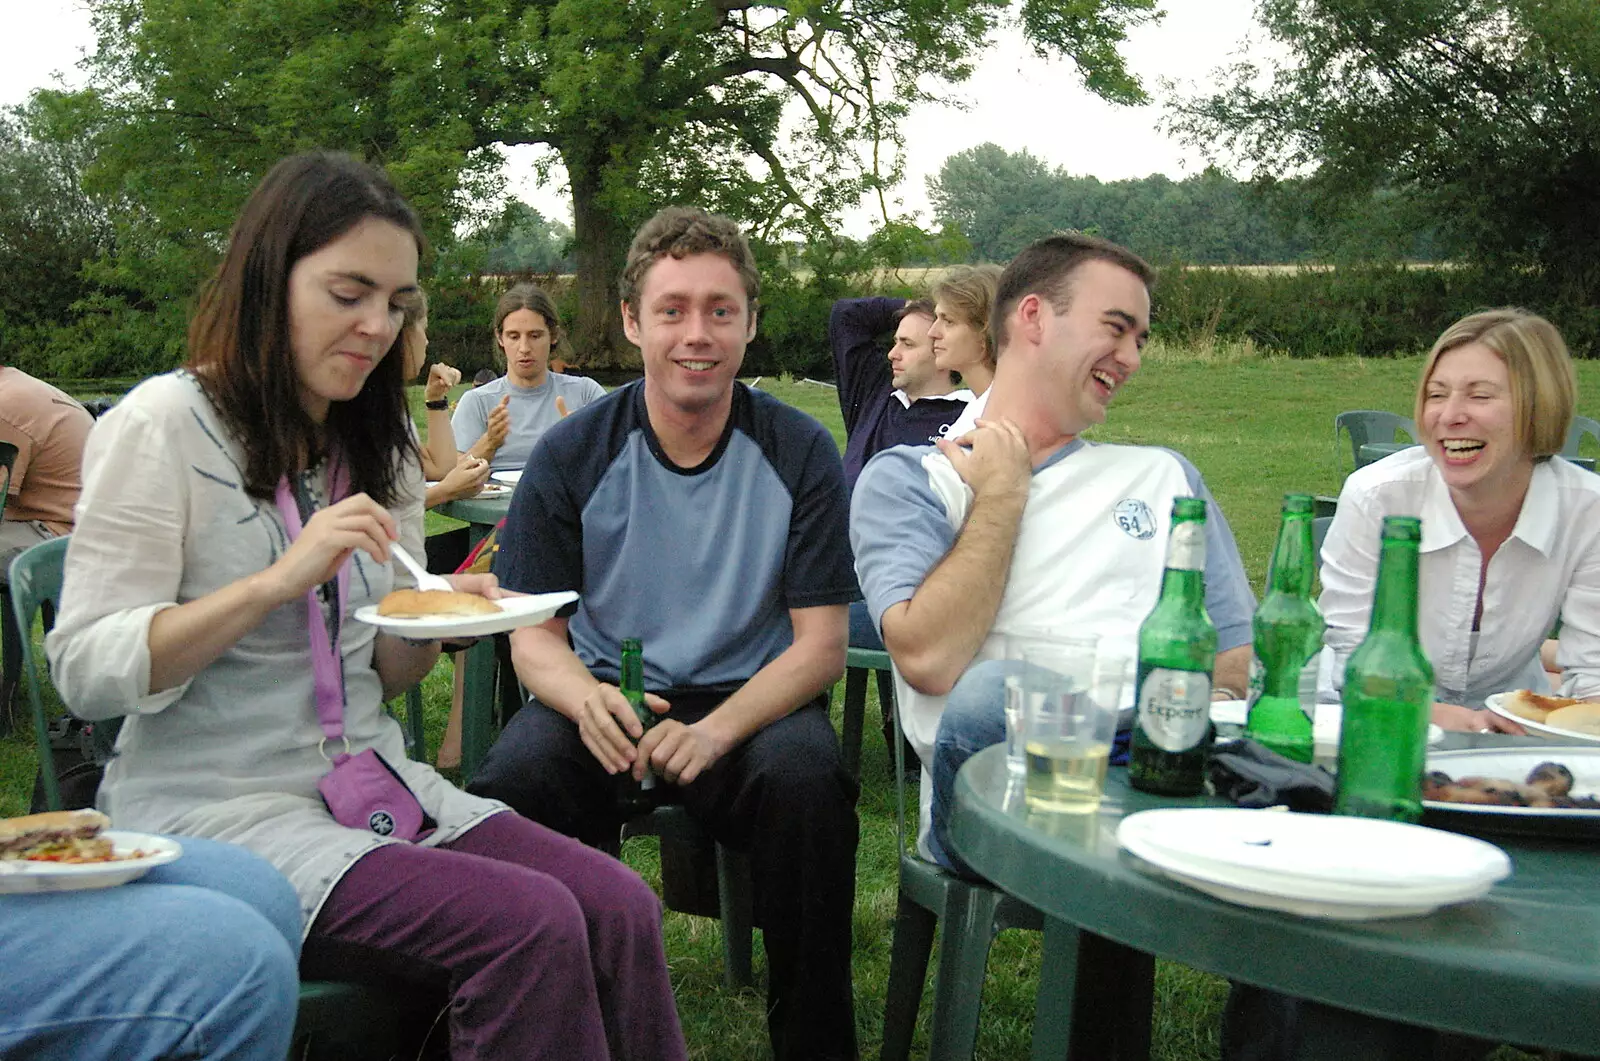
(968, 292)
(1544, 389)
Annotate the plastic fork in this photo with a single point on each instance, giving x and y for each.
(425, 580)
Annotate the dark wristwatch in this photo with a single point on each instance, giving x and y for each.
(442, 403)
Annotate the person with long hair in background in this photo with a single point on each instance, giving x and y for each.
(526, 330)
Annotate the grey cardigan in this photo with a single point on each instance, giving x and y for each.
(233, 753)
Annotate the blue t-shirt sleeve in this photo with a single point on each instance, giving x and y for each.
(469, 420)
(899, 528)
(541, 543)
(1229, 599)
(817, 567)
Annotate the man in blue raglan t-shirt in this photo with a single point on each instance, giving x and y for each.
(1021, 525)
(709, 521)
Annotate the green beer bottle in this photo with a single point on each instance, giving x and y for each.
(1288, 638)
(1388, 692)
(635, 797)
(1177, 649)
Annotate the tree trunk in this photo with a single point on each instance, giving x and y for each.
(601, 244)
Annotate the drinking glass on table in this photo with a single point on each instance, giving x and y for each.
(1017, 647)
(1069, 715)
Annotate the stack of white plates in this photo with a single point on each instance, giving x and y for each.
(1315, 865)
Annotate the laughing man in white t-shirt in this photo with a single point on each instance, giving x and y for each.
(1023, 525)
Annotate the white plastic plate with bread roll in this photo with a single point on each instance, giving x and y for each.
(510, 613)
(135, 855)
(1553, 716)
(488, 492)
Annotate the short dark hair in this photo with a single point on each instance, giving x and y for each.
(917, 307)
(531, 297)
(1045, 268)
(240, 342)
(681, 231)
(485, 375)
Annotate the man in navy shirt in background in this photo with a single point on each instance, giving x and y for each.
(709, 521)
(900, 399)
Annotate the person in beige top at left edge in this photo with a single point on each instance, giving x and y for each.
(48, 427)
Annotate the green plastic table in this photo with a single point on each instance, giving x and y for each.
(478, 683)
(1521, 965)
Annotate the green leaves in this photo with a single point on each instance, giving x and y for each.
(782, 114)
(1483, 115)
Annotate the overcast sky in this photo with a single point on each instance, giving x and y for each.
(1016, 99)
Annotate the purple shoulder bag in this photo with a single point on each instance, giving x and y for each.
(362, 791)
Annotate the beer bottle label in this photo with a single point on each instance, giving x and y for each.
(1186, 548)
(1175, 708)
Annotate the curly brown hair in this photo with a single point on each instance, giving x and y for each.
(681, 231)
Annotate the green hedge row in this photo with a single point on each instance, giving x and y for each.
(1372, 311)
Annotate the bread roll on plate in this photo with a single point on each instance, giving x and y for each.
(417, 603)
(1581, 717)
(1535, 707)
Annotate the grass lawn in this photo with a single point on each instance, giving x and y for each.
(1256, 428)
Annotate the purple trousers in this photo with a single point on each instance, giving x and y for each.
(549, 948)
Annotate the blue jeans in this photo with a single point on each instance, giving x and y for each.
(974, 718)
(197, 959)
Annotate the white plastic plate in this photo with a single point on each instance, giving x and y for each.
(509, 478)
(1514, 764)
(19, 876)
(1319, 908)
(488, 492)
(1307, 853)
(514, 612)
(1493, 704)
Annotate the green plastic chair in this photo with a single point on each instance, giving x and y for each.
(358, 1019)
(416, 738)
(1369, 425)
(1581, 425)
(10, 639)
(972, 912)
(858, 663)
(1319, 534)
(36, 583)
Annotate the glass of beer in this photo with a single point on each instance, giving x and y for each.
(1067, 727)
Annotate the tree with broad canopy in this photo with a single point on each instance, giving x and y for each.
(643, 102)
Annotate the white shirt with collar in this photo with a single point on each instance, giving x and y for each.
(1548, 568)
(968, 420)
(905, 400)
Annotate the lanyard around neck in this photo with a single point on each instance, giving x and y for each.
(325, 665)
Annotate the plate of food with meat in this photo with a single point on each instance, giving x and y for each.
(1541, 791)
